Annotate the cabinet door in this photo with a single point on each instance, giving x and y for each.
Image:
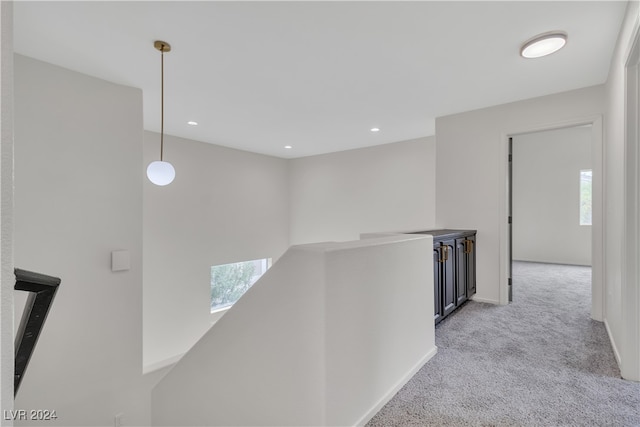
(448, 277)
(471, 266)
(462, 273)
(437, 285)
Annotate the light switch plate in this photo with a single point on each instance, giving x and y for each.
(120, 260)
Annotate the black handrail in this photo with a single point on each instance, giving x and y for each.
(42, 289)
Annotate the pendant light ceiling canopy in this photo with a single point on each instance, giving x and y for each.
(161, 172)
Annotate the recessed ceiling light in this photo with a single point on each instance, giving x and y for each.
(192, 123)
(288, 147)
(375, 130)
(543, 44)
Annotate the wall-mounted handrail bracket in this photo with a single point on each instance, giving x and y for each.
(42, 289)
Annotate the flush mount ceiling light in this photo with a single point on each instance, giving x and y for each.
(161, 172)
(192, 123)
(543, 44)
(375, 130)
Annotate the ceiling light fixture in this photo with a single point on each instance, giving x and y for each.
(192, 123)
(375, 130)
(161, 172)
(543, 44)
(288, 147)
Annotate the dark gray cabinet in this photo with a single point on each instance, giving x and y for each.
(454, 269)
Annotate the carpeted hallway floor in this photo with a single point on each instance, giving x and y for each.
(540, 361)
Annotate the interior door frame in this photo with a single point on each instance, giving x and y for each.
(597, 228)
(630, 259)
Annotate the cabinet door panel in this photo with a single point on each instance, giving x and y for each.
(471, 267)
(437, 286)
(448, 279)
(461, 271)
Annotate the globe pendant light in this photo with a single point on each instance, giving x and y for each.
(161, 172)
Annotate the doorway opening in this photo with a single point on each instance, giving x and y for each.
(551, 207)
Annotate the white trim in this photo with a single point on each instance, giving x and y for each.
(7, 278)
(598, 222)
(630, 292)
(616, 353)
(628, 55)
(392, 392)
(487, 300)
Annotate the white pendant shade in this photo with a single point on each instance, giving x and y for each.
(161, 173)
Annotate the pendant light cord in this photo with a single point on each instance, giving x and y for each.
(161, 104)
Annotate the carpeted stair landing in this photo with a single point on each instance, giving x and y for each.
(540, 361)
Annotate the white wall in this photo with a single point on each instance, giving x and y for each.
(7, 279)
(224, 206)
(376, 340)
(615, 294)
(546, 196)
(78, 196)
(471, 170)
(384, 188)
(318, 340)
(80, 148)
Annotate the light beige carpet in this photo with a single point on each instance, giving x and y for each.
(540, 361)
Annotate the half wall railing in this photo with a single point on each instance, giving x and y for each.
(326, 337)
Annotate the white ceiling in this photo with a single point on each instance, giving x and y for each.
(318, 75)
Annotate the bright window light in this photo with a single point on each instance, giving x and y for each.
(585, 196)
(230, 281)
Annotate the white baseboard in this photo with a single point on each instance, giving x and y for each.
(392, 392)
(489, 301)
(613, 344)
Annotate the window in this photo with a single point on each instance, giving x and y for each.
(585, 196)
(230, 281)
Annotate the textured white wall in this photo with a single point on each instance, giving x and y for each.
(338, 196)
(318, 340)
(471, 168)
(78, 196)
(614, 133)
(7, 279)
(546, 196)
(224, 206)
